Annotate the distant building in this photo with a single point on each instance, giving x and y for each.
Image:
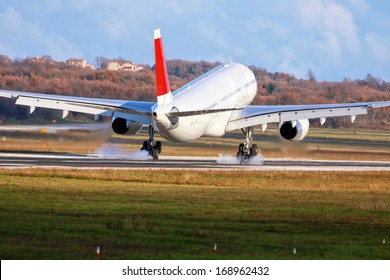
(125, 66)
(41, 59)
(82, 63)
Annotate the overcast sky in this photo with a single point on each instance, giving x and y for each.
(336, 39)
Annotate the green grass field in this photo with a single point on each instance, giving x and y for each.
(65, 214)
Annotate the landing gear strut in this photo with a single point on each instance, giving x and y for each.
(154, 149)
(245, 150)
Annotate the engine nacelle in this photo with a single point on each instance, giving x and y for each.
(123, 126)
(294, 130)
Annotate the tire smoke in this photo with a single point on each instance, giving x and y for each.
(114, 152)
(228, 159)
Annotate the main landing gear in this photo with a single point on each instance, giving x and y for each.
(246, 151)
(153, 149)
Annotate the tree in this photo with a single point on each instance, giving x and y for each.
(270, 87)
(310, 75)
(101, 62)
(372, 81)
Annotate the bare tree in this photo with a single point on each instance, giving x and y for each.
(310, 75)
(101, 62)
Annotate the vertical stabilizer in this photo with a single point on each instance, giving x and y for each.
(163, 90)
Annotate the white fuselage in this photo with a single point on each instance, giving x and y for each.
(230, 85)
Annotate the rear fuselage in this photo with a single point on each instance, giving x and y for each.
(230, 85)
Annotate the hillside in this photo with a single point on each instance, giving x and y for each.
(49, 76)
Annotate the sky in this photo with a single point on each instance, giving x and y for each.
(336, 39)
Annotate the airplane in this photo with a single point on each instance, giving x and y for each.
(211, 105)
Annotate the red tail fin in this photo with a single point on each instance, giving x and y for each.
(163, 89)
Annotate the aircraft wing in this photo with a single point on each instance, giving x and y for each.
(261, 115)
(131, 110)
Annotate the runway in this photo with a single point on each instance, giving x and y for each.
(54, 160)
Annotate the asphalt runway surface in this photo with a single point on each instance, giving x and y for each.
(53, 160)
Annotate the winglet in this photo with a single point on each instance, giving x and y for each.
(163, 90)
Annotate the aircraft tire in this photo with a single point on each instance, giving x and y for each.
(155, 154)
(254, 150)
(158, 146)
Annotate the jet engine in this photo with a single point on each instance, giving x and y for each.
(123, 126)
(294, 130)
